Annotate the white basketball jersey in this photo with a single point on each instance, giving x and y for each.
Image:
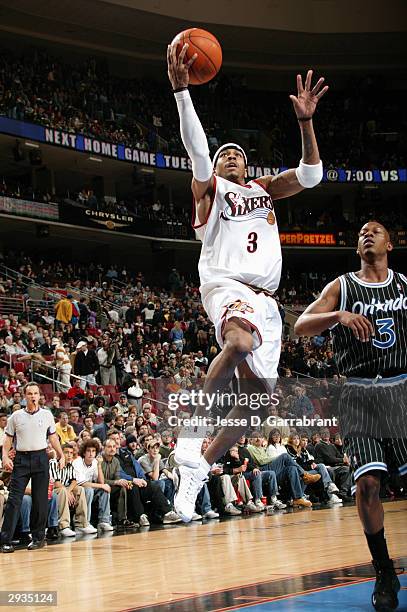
(240, 236)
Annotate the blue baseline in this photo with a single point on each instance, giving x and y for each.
(350, 597)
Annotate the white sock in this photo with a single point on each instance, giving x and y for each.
(204, 466)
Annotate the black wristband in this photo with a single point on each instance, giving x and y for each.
(304, 118)
(180, 89)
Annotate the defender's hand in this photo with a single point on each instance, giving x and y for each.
(306, 100)
(177, 69)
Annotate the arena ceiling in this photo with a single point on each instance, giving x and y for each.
(278, 35)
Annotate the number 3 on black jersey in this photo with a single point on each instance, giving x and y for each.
(385, 327)
(252, 239)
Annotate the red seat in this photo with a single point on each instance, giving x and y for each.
(65, 404)
(115, 397)
(20, 366)
(110, 389)
(47, 388)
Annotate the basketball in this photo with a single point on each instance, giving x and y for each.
(209, 60)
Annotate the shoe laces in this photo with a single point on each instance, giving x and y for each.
(192, 487)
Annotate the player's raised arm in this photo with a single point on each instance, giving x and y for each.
(309, 172)
(321, 315)
(192, 133)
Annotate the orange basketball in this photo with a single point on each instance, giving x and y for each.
(209, 60)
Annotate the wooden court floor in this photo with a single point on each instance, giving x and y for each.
(201, 567)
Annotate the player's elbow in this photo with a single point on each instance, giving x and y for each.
(300, 327)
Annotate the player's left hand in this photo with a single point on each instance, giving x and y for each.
(306, 100)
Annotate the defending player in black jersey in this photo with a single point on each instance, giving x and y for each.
(367, 314)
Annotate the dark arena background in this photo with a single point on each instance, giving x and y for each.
(98, 258)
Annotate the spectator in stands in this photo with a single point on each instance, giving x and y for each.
(89, 474)
(11, 384)
(88, 424)
(62, 364)
(55, 405)
(324, 489)
(147, 496)
(86, 364)
(284, 467)
(76, 392)
(122, 405)
(120, 487)
(236, 468)
(337, 464)
(88, 402)
(274, 445)
(302, 404)
(154, 468)
(4, 403)
(167, 445)
(70, 497)
(101, 431)
(149, 417)
(315, 438)
(74, 421)
(3, 423)
(63, 311)
(46, 349)
(119, 423)
(65, 431)
(108, 356)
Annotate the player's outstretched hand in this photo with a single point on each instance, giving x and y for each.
(360, 325)
(178, 70)
(307, 98)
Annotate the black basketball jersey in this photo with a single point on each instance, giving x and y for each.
(385, 305)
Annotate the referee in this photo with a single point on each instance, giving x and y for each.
(30, 429)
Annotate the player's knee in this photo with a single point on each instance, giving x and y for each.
(238, 343)
(368, 487)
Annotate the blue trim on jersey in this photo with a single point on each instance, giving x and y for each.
(403, 470)
(384, 284)
(376, 381)
(368, 467)
(342, 281)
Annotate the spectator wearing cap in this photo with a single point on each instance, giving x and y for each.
(63, 311)
(147, 498)
(86, 364)
(154, 468)
(122, 405)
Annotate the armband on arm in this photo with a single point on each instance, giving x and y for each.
(309, 175)
(193, 137)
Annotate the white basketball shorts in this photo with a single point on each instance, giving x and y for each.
(229, 298)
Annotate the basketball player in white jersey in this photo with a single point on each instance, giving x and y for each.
(240, 263)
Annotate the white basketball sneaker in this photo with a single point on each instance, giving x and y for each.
(188, 482)
(189, 444)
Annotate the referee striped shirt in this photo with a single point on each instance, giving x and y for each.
(64, 476)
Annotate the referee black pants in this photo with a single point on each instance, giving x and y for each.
(34, 465)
